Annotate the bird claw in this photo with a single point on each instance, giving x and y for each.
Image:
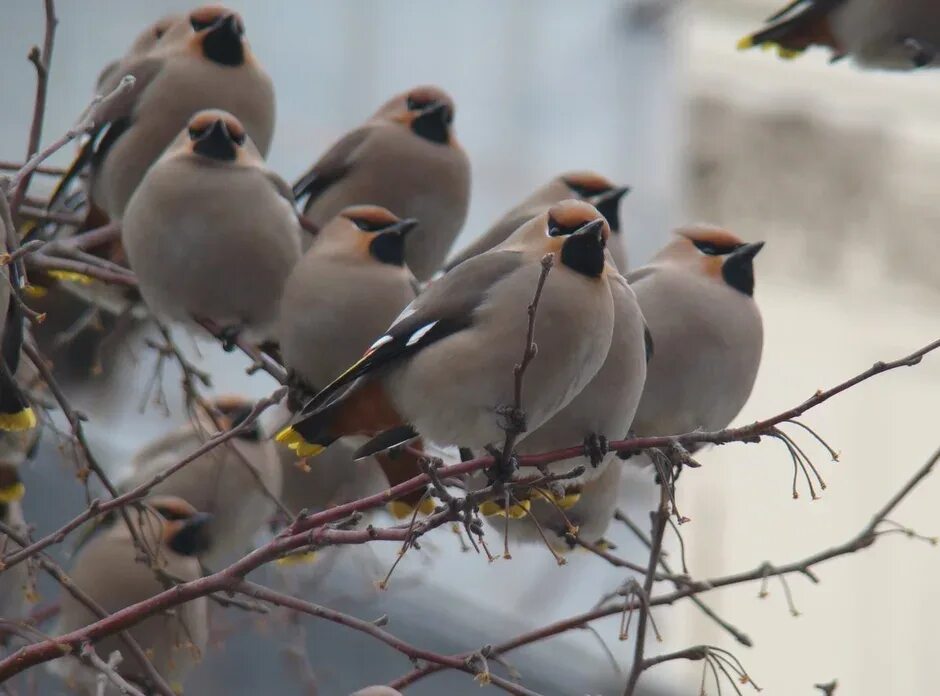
(922, 53)
(595, 448)
(229, 337)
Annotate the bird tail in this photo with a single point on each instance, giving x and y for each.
(794, 29)
(15, 412)
(363, 409)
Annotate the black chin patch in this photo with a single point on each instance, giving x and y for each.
(388, 248)
(223, 43)
(738, 272)
(432, 125)
(610, 209)
(215, 143)
(193, 538)
(584, 254)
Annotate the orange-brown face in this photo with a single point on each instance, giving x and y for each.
(380, 233)
(707, 246)
(216, 134)
(219, 35)
(427, 111)
(183, 526)
(586, 183)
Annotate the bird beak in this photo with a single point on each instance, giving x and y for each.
(216, 143)
(594, 227)
(193, 536)
(608, 205)
(227, 25)
(432, 123)
(746, 252)
(401, 228)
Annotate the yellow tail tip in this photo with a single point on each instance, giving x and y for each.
(295, 441)
(401, 510)
(787, 53)
(12, 493)
(71, 276)
(21, 420)
(745, 43)
(568, 500)
(35, 291)
(516, 511)
(294, 559)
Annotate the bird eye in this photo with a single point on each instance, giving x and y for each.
(196, 132)
(199, 24)
(713, 248)
(555, 229)
(416, 104)
(238, 137)
(368, 225)
(170, 514)
(158, 32)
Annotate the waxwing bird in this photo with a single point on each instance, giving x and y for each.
(881, 34)
(347, 289)
(405, 158)
(107, 569)
(584, 185)
(15, 411)
(444, 369)
(211, 232)
(603, 409)
(204, 63)
(237, 481)
(14, 582)
(697, 297)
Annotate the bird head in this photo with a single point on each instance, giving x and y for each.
(600, 192)
(374, 233)
(717, 254)
(184, 529)
(216, 135)
(219, 34)
(427, 111)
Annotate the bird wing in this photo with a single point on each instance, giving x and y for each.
(331, 167)
(111, 118)
(445, 308)
(797, 26)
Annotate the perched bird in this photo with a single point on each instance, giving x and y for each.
(15, 411)
(348, 287)
(346, 290)
(444, 369)
(204, 63)
(697, 297)
(211, 232)
(106, 569)
(882, 34)
(14, 581)
(405, 158)
(604, 408)
(584, 185)
(237, 481)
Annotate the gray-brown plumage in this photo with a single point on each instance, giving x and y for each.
(445, 367)
(405, 158)
(145, 42)
(106, 569)
(604, 409)
(204, 63)
(211, 232)
(584, 185)
(377, 691)
(234, 481)
(347, 289)
(882, 34)
(697, 297)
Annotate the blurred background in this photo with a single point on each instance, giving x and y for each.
(837, 169)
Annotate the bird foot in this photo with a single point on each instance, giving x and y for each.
(920, 52)
(228, 336)
(595, 448)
